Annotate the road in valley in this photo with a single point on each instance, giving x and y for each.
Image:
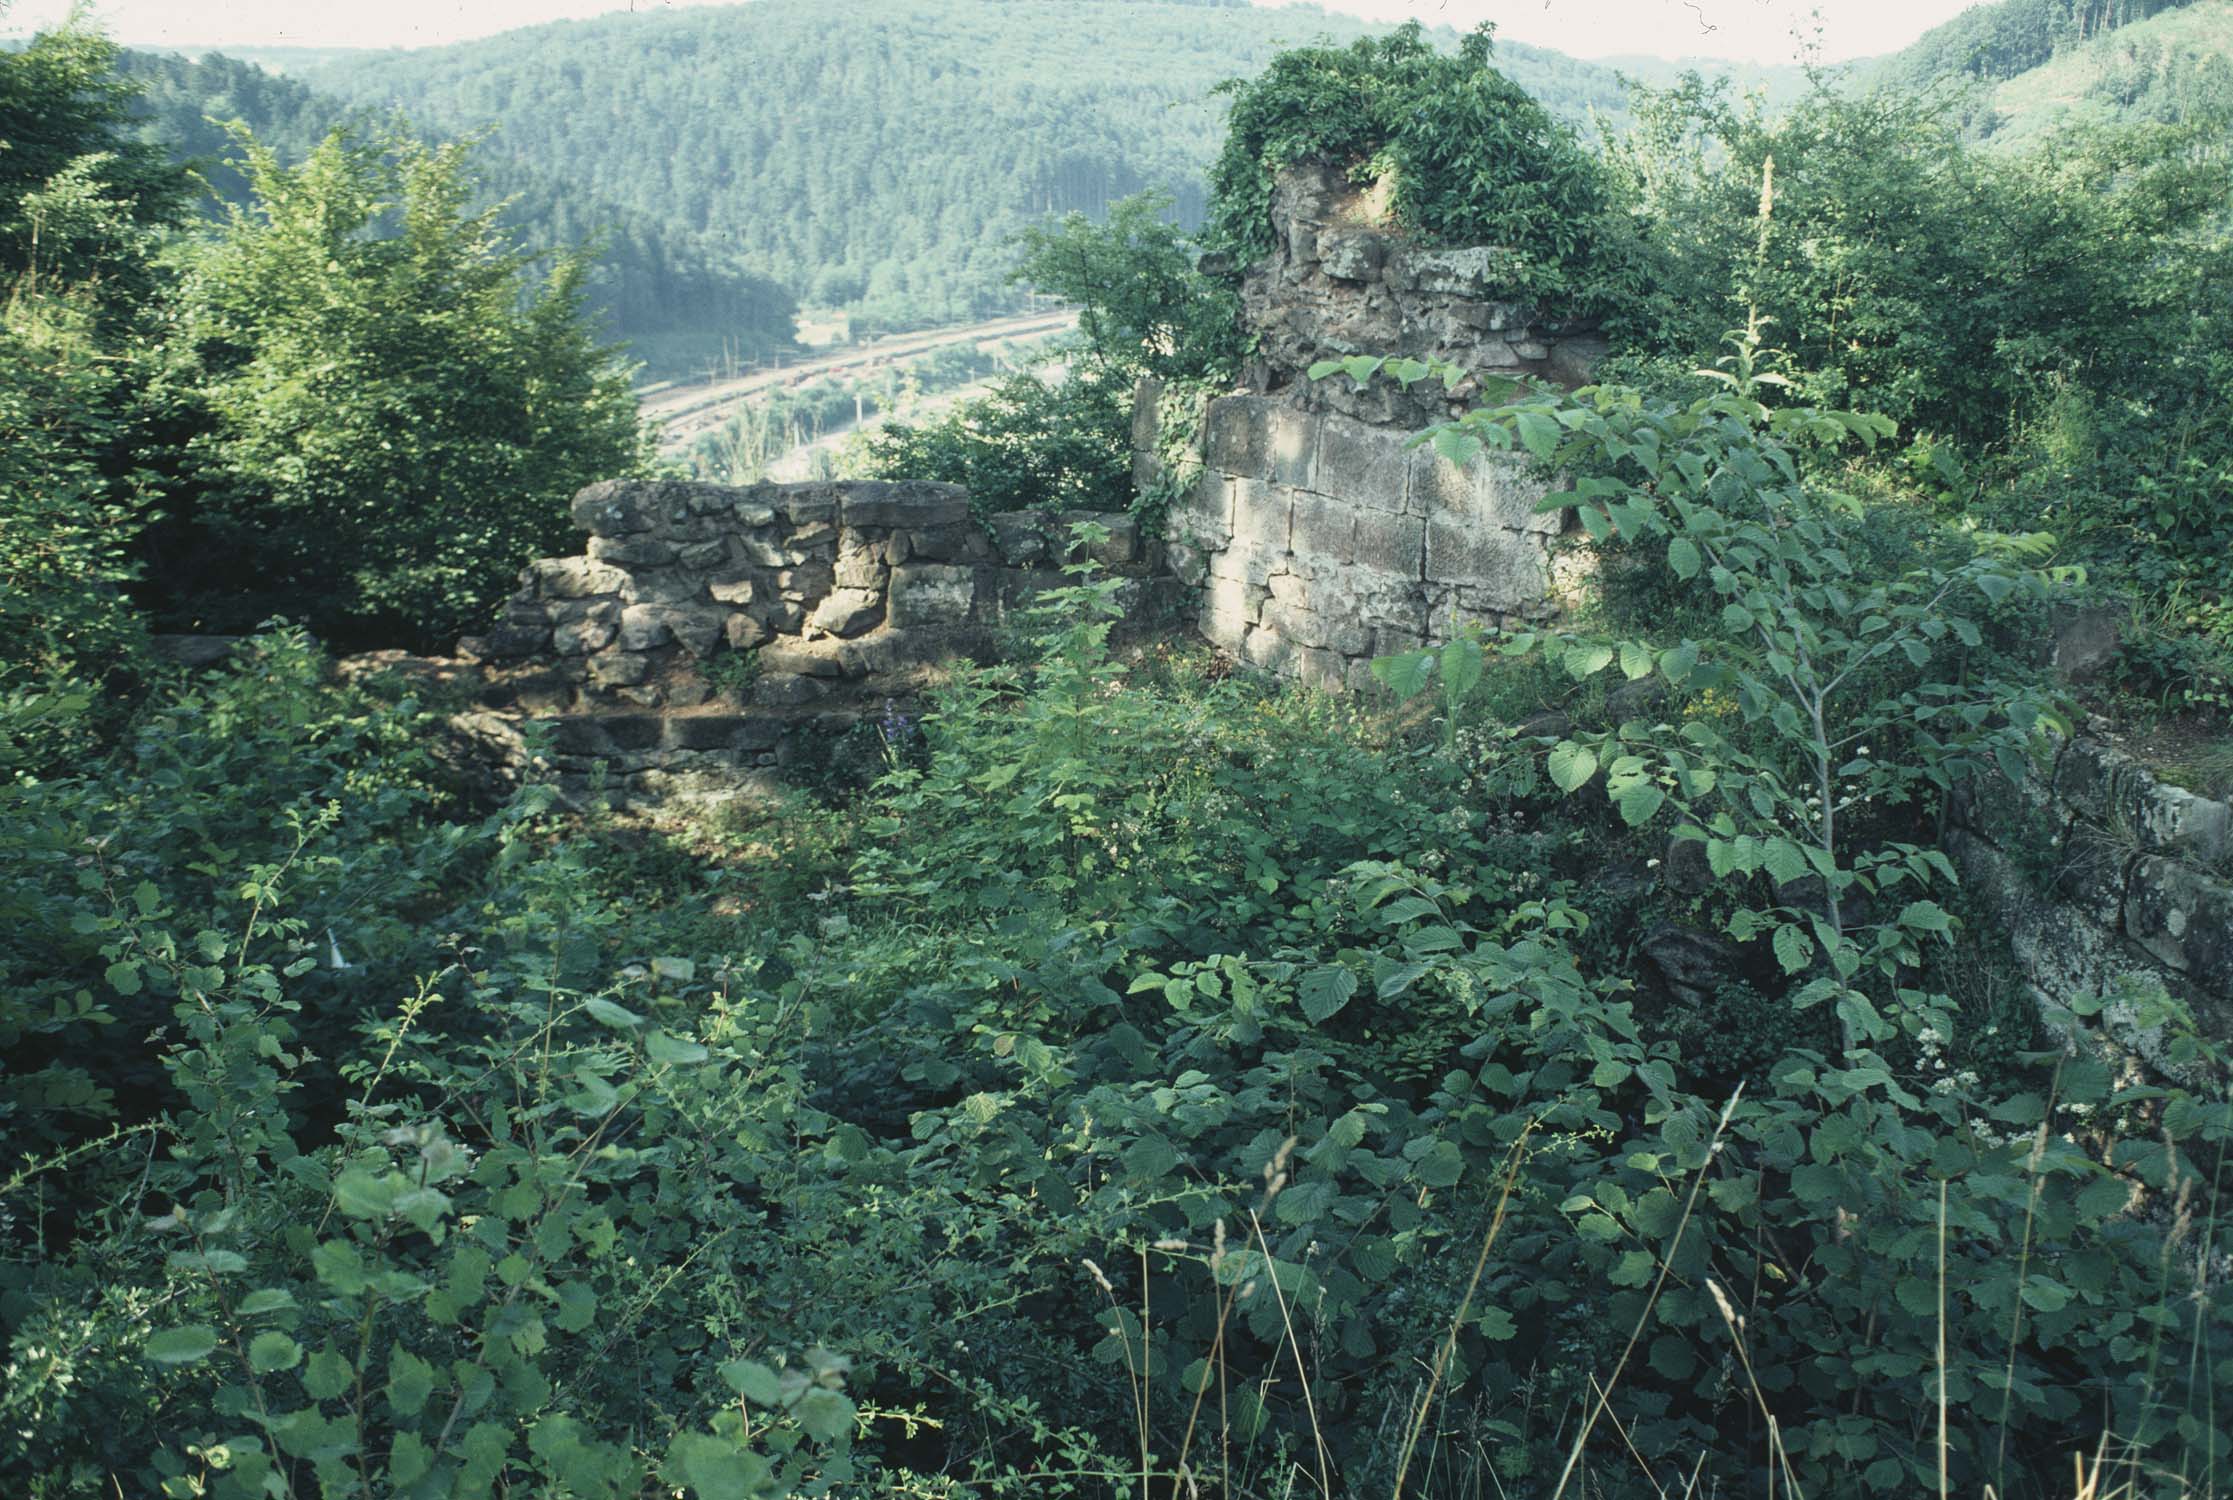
(683, 412)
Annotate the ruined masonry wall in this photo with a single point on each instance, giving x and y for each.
(709, 630)
(2103, 875)
(1317, 542)
(1341, 281)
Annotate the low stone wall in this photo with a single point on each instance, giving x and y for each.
(1342, 281)
(1318, 542)
(711, 631)
(2103, 874)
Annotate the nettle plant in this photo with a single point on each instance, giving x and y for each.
(1845, 691)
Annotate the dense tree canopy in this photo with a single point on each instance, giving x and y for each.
(680, 298)
(393, 416)
(878, 156)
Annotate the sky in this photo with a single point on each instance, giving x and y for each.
(1751, 30)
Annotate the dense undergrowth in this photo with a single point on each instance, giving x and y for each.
(1156, 1079)
(1573, 1070)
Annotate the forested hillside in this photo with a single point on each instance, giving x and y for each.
(674, 296)
(2042, 66)
(877, 156)
(2174, 68)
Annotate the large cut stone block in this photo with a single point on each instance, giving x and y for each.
(2185, 919)
(1506, 568)
(1203, 516)
(1262, 513)
(914, 503)
(1237, 435)
(848, 612)
(1508, 493)
(1291, 439)
(1440, 488)
(1389, 544)
(1365, 466)
(1324, 528)
(572, 578)
(1229, 607)
(931, 594)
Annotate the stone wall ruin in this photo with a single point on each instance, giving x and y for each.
(712, 635)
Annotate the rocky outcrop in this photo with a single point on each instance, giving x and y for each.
(710, 636)
(2105, 877)
(1342, 281)
(1316, 542)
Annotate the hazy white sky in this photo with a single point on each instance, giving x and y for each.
(1759, 30)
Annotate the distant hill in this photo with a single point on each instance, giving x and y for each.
(677, 299)
(2174, 67)
(877, 155)
(2038, 67)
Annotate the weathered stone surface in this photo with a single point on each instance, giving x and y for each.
(592, 631)
(914, 504)
(1690, 963)
(1322, 527)
(787, 690)
(2185, 919)
(961, 542)
(643, 627)
(931, 594)
(1262, 513)
(1018, 535)
(616, 668)
(801, 659)
(630, 552)
(572, 578)
(675, 574)
(2084, 641)
(1121, 546)
(848, 611)
(1343, 280)
(1365, 467)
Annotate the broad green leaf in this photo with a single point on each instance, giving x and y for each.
(1539, 433)
(271, 1351)
(410, 1381)
(1324, 991)
(181, 1346)
(1571, 766)
(755, 1382)
(665, 1048)
(326, 1375)
(1587, 658)
(1682, 556)
(618, 1017)
(1461, 668)
(1407, 673)
(826, 1415)
(1794, 949)
(1639, 802)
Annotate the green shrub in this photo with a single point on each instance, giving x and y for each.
(1472, 158)
(395, 416)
